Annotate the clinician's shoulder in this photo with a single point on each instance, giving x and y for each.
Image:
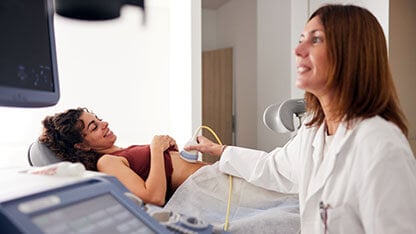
(377, 138)
(378, 129)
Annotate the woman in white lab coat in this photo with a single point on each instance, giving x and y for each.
(350, 162)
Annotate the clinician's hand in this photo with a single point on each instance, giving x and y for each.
(206, 146)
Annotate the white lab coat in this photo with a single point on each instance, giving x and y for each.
(368, 177)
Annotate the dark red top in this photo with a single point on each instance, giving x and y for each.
(138, 157)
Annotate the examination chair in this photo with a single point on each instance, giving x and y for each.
(40, 155)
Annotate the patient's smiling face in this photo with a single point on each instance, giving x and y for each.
(97, 135)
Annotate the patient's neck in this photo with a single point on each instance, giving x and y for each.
(110, 150)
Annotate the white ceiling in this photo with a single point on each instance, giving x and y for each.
(212, 4)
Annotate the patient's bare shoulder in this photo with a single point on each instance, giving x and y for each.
(109, 160)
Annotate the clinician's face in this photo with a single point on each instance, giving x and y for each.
(97, 135)
(312, 59)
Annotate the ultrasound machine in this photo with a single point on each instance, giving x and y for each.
(91, 202)
(88, 203)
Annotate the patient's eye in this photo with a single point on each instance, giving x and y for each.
(99, 120)
(92, 126)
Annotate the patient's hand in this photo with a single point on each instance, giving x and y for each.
(206, 146)
(163, 142)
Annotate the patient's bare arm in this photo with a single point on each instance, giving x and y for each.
(153, 189)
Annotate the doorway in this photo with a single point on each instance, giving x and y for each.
(217, 96)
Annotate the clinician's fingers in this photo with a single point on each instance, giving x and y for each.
(203, 140)
(205, 146)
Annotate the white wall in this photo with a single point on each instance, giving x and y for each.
(209, 29)
(122, 70)
(299, 15)
(185, 70)
(274, 56)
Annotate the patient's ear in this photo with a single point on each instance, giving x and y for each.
(82, 146)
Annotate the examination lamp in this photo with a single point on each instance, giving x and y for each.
(280, 117)
(93, 9)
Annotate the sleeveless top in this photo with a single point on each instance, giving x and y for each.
(138, 157)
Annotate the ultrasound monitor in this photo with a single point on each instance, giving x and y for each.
(95, 203)
(28, 66)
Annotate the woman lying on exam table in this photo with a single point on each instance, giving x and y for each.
(152, 172)
(350, 161)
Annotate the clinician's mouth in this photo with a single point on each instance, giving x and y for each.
(302, 69)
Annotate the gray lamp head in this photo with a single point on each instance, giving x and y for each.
(279, 117)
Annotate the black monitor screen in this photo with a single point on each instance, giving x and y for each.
(28, 68)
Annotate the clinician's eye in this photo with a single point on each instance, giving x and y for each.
(301, 39)
(316, 40)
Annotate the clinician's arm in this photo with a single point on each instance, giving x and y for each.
(277, 170)
(153, 190)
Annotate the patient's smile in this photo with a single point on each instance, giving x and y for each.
(108, 133)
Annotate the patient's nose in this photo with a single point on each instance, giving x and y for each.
(104, 124)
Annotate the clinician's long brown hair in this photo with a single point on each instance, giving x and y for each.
(359, 71)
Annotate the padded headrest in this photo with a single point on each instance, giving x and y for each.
(40, 155)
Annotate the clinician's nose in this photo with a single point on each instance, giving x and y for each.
(301, 49)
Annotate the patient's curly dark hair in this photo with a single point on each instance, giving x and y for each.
(60, 134)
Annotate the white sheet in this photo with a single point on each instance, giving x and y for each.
(204, 195)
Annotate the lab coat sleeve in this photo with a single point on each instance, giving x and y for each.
(388, 192)
(272, 171)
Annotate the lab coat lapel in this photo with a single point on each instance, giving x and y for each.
(313, 198)
(338, 142)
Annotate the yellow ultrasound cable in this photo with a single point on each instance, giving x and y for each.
(227, 214)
